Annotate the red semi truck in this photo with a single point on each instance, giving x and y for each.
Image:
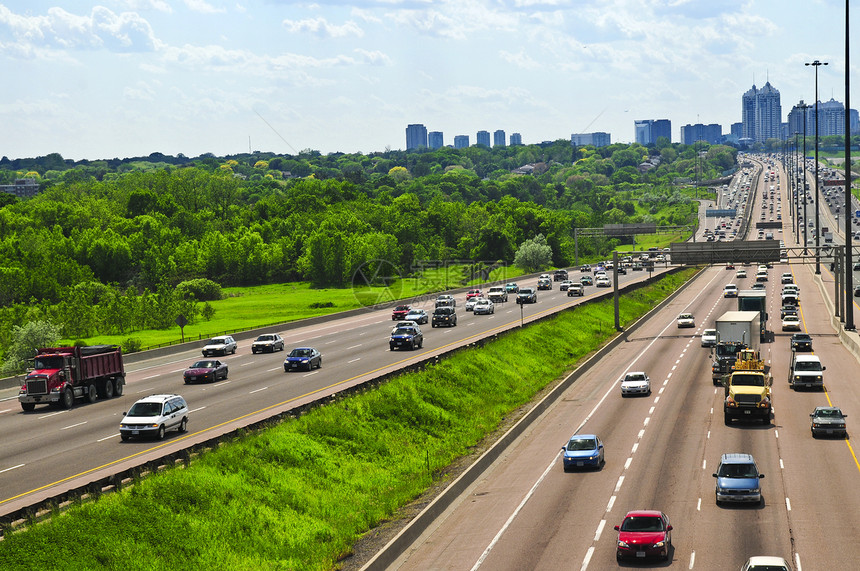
(62, 374)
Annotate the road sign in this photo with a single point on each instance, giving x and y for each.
(736, 251)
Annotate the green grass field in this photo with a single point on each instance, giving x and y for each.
(298, 495)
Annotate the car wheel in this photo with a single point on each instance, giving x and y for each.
(118, 387)
(286, 369)
(319, 363)
(183, 426)
(124, 437)
(421, 343)
(234, 350)
(28, 406)
(187, 381)
(160, 434)
(226, 372)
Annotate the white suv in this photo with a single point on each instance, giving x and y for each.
(153, 416)
(220, 346)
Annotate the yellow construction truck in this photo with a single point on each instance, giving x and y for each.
(748, 389)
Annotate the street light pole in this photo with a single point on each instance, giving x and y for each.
(816, 64)
(849, 268)
(803, 180)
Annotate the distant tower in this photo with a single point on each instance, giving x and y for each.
(416, 136)
(436, 140)
(499, 138)
(761, 113)
(484, 138)
(516, 139)
(461, 141)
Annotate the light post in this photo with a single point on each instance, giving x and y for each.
(849, 269)
(795, 191)
(803, 180)
(816, 64)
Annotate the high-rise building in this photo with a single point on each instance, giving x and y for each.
(597, 139)
(484, 138)
(436, 139)
(712, 133)
(831, 118)
(795, 119)
(461, 141)
(499, 138)
(647, 131)
(516, 139)
(854, 119)
(737, 130)
(416, 136)
(761, 113)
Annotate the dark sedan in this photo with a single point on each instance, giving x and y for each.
(801, 342)
(306, 358)
(208, 370)
(527, 295)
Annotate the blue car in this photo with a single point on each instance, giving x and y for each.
(306, 358)
(581, 451)
(738, 479)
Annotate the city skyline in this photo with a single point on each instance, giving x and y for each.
(127, 78)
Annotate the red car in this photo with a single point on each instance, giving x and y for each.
(644, 533)
(400, 312)
(474, 293)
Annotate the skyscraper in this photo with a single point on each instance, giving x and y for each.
(461, 141)
(436, 140)
(761, 113)
(647, 131)
(416, 136)
(598, 139)
(516, 139)
(499, 138)
(484, 138)
(712, 133)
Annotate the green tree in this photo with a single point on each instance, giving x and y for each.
(25, 340)
(533, 254)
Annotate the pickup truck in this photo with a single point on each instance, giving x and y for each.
(806, 371)
(497, 294)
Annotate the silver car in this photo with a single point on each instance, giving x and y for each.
(636, 383)
(153, 416)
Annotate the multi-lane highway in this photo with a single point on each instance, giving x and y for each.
(525, 512)
(49, 450)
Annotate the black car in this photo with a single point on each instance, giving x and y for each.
(208, 370)
(527, 295)
(787, 310)
(559, 275)
(801, 342)
(446, 316)
(303, 358)
(406, 338)
(622, 271)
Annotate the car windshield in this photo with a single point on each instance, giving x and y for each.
(638, 377)
(402, 308)
(802, 337)
(48, 363)
(581, 444)
(403, 331)
(300, 353)
(807, 366)
(265, 338)
(217, 341)
(203, 365)
(741, 380)
(738, 471)
(640, 523)
(145, 409)
(828, 413)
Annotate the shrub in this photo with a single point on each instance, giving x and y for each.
(201, 289)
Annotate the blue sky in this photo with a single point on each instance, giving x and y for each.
(123, 78)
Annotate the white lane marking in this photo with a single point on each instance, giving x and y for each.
(641, 434)
(354, 347)
(647, 420)
(666, 382)
(626, 465)
(692, 559)
(196, 409)
(174, 371)
(635, 448)
(699, 505)
(656, 399)
(787, 504)
(599, 531)
(246, 364)
(7, 410)
(108, 437)
(334, 341)
(651, 410)
(619, 482)
(258, 390)
(10, 468)
(514, 515)
(797, 562)
(587, 559)
(275, 369)
(313, 373)
(73, 425)
(354, 360)
(610, 504)
(781, 465)
(704, 464)
(776, 433)
(151, 377)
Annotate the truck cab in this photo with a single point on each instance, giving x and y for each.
(748, 390)
(806, 371)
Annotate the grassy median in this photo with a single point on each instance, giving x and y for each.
(297, 496)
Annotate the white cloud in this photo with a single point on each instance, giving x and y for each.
(519, 59)
(321, 27)
(203, 7)
(146, 5)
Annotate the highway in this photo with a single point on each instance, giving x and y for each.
(525, 512)
(50, 450)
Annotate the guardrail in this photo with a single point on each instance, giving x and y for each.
(25, 516)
